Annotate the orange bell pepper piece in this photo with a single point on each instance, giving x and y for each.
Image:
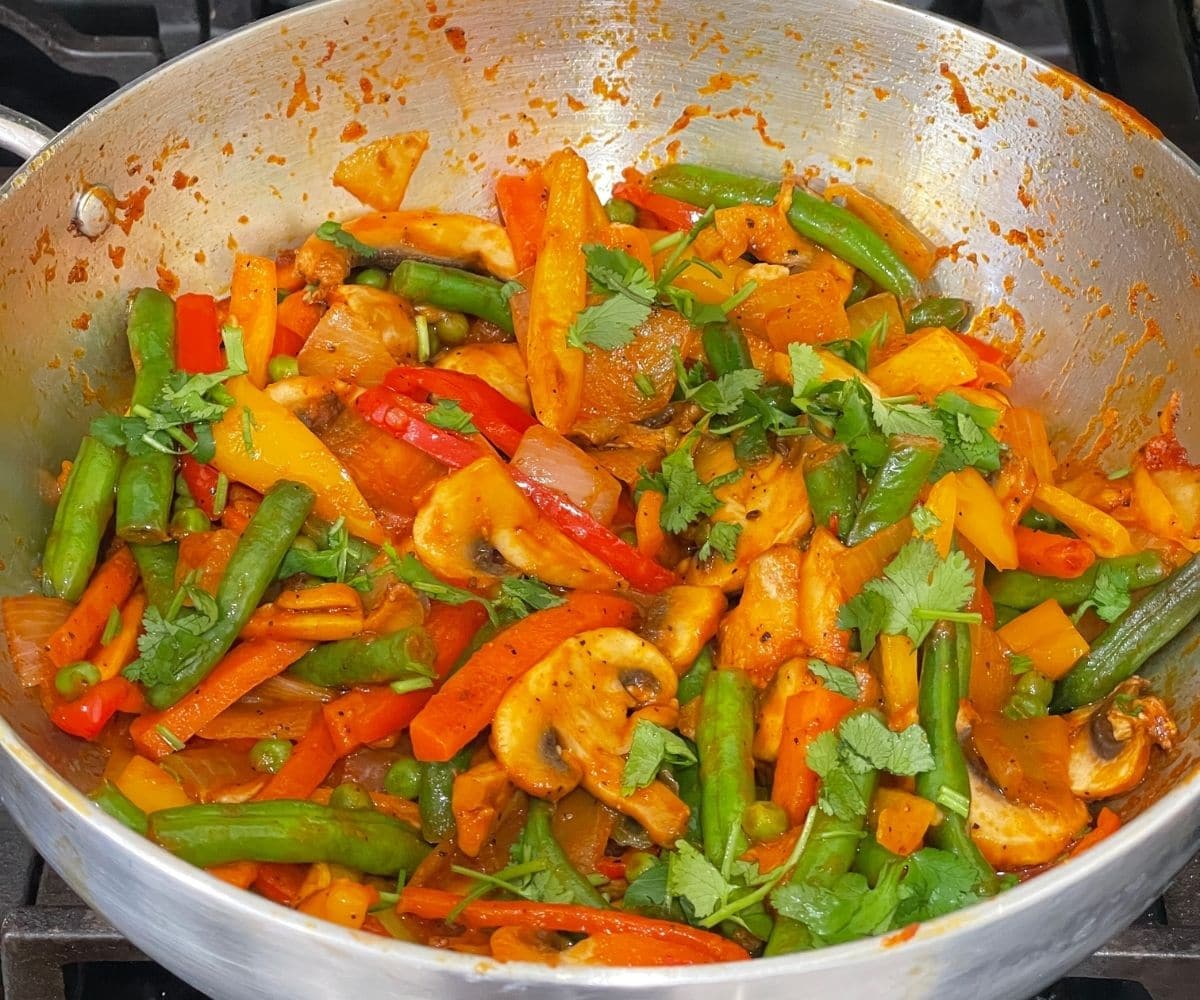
(1047, 554)
(807, 715)
(982, 521)
(1048, 637)
(254, 306)
(901, 819)
(1024, 431)
(149, 787)
(281, 447)
(896, 664)
(930, 364)
(1107, 823)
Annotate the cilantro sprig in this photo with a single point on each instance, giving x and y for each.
(650, 749)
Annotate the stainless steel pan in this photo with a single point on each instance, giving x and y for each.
(1054, 198)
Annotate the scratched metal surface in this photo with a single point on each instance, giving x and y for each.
(1070, 222)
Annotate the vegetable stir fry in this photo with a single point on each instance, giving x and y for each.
(661, 581)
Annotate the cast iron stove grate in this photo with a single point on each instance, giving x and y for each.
(60, 57)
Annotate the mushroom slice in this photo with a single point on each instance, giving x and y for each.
(477, 523)
(1111, 740)
(770, 503)
(569, 721)
(451, 238)
(680, 620)
(1015, 834)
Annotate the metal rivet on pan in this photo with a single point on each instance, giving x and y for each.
(94, 211)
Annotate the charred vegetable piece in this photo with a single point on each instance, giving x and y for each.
(288, 831)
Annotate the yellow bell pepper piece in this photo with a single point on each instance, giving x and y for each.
(150, 787)
(932, 363)
(942, 503)
(1106, 535)
(273, 444)
(1048, 637)
(982, 522)
(896, 663)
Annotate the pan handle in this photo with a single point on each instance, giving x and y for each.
(21, 134)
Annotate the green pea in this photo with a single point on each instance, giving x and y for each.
(373, 276)
(268, 756)
(403, 779)
(637, 863)
(619, 210)
(75, 678)
(349, 795)
(189, 521)
(763, 821)
(282, 366)
(1032, 694)
(451, 328)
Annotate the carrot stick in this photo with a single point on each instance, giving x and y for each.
(805, 717)
(108, 589)
(288, 721)
(365, 715)
(120, 652)
(452, 627)
(650, 537)
(253, 306)
(522, 201)
(468, 700)
(1047, 554)
(625, 949)
(270, 622)
(244, 668)
(311, 760)
(434, 904)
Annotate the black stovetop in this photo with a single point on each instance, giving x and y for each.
(61, 57)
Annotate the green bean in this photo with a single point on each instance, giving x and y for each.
(691, 684)
(872, 857)
(367, 661)
(114, 802)
(539, 838)
(1132, 639)
(189, 520)
(290, 832)
(938, 697)
(82, 515)
(831, 479)
(156, 565)
(824, 222)
(859, 290)
(894, 488)
(452, 289)
(146, 484)
(947, 312)
(1018, 589)
(75, 678)
(250, 570)
(724, 733)
(687, 781)
(1031, 696)
(437, 790)
(828, 854)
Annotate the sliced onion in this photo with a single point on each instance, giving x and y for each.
(29, 621)
(550, 459)
(206, 771)
(344, 345)
(285, 688)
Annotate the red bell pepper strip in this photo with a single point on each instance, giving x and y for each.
(1048, 554)
(498, 418)
(201, 482)
(576, 523)
(197, 334)
(984, 351)
(435, 904)
(452, 627)
(673, 214)
(88, 714)
(402, 417)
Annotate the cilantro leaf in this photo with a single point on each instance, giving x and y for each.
(608, 325)
(866, 742)
(836, 679)
(173, 642)
(686, 497)
(906, 418)
(846, 909)
(839, 793)
(522, 595)
(857, 350)
(335, 559)
(618, 272)
(550, 884)
(694, 879)
(721, 540)
(935, 883)
(689, 307)
(1110, 594)
(917, 588)
(967, 437)
(724, 395)
(647, 894)
(652, 746)
(807, 368)
(409, 569)
(448, 415)
(332, 232)
(1019, 663)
